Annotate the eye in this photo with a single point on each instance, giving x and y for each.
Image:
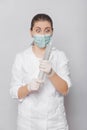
(38, 30)
(47, 30)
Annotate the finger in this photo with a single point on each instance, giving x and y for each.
(42, 69)
(35, 87)
(44, 62)
(40, 81)
(43, 65)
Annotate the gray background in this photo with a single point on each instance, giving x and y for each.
(69, 17)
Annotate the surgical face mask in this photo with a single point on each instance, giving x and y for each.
(42, 40)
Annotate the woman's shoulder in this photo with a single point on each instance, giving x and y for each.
(24, 52)
(23, 55)
(57, 51)
(59, 54)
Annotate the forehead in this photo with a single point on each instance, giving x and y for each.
(42, 24)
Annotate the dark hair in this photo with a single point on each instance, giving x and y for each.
(41, 17)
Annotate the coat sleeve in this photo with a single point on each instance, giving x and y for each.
(63, 69)
(17, 76)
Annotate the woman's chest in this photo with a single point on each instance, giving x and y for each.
(30, 69)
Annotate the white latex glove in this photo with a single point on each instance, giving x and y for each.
(34, 85)
(45, 66)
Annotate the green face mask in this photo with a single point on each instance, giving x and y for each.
(42, 40)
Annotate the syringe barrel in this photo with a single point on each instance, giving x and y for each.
(46, 57)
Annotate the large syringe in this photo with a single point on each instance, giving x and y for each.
(46, 57)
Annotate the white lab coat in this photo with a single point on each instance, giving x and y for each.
(44, 109)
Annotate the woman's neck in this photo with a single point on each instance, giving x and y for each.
(39, 52)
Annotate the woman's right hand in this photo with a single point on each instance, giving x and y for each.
(34, 85)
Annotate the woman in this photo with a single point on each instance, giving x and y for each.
(41, 103)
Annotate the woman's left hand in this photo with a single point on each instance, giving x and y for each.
(45, 66)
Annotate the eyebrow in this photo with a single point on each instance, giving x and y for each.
(45, 28)
(48, 28)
